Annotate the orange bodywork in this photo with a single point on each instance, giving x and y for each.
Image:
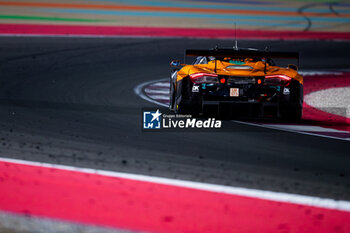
(223, 68)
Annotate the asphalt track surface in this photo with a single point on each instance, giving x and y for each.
(71, 101)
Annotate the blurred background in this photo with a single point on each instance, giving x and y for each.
(306, 15)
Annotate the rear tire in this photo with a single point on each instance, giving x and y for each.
(187, 109)
(292, 110)
(291, 113)
(172, 96)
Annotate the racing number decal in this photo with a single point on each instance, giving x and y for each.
(234, 92)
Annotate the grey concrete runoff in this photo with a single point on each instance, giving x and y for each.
(14, 223)
(332, 100)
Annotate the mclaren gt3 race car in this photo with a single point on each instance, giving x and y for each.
(237, 82)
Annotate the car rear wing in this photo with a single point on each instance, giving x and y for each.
(242, 53)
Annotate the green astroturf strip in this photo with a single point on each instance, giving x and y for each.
(24, 17)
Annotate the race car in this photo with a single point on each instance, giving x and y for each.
(237, 82)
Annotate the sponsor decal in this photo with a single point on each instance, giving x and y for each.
(237, 62)
(157, 120)
(234, 92)
(195, 88)
(286, 91)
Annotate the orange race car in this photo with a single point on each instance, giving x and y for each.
(237, 82)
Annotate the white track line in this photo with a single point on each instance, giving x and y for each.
(157, 91)
(160, 84)
(253, 193)
(291, 131)
(139, 91)
(315, 72)
(306, 128)
(159, 97)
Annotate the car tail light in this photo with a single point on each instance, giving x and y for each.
(199, 78)
(278, 79)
